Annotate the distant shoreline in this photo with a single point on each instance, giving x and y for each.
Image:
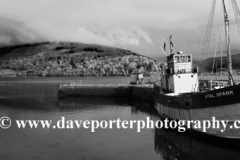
(61, 80)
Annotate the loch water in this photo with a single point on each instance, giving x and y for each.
(39, 101)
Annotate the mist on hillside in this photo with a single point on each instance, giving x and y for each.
(14, 32)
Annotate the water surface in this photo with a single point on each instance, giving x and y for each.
(38, 101)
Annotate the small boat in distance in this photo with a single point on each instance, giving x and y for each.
(180, 95)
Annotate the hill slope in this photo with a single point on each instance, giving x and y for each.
(73, 59)
(235, 62)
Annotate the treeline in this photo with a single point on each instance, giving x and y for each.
(84, 63)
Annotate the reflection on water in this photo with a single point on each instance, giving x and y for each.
(170, 144)
(25, 96)
(40, 102)
(91, 102)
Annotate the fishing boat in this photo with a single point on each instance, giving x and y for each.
(181, 95)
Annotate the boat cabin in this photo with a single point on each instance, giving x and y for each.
(217, 84)
(179, 76)
(179, 63)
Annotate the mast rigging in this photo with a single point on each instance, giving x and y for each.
(226, 24)
(208, 35)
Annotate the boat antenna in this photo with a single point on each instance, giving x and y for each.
(171, 45)
(226, 24)
(164, 48)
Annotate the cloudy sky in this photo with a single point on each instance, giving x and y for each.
(137, 25)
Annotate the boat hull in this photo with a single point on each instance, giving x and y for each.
(225, 112)
(220, 105)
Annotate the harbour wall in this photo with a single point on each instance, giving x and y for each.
(140, 96)
(94, 90)
(142, 93)
(135, 92)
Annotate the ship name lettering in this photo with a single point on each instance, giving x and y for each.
(219, 94)
(209, 96)
(226, 93)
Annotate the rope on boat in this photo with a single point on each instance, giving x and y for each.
(236, 13)
(208, 34)
(219, 25)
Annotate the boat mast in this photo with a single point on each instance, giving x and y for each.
(226, 23)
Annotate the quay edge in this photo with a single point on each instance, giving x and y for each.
(140, 96)
(135, 92)
(94, 90)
